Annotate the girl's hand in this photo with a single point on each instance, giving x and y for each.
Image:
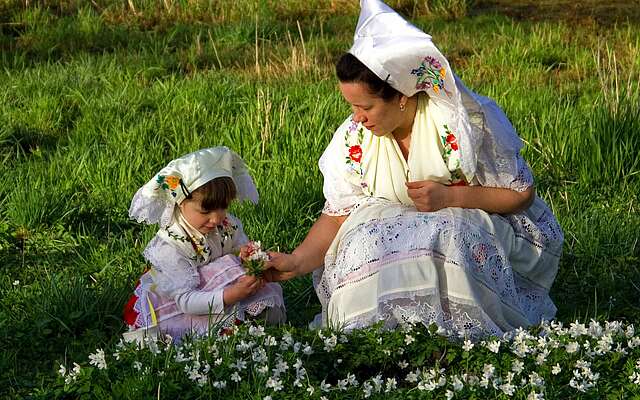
(428, 195)
(244, 287)
(244, 252)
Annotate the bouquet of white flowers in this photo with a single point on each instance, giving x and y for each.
(253, 258)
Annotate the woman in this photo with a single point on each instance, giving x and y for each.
(430, 213)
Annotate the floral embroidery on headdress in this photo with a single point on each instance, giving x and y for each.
(169, 182)
(430, 75)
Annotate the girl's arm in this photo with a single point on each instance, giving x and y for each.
(309, 255)
(432, 196)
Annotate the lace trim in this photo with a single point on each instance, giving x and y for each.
(328, 209)
(367, 247)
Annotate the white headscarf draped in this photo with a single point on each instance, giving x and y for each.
(405, 57)
(154, 203)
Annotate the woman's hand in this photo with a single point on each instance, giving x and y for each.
(428, 195)
(244, 287)
(280, 267)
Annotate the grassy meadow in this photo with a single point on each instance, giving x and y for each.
(96, 96)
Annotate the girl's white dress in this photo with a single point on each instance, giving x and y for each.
(470, 272)
(182, 292)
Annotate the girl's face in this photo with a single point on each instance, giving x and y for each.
(204, 221)
(376, 114)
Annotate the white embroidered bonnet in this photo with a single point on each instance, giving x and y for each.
(406, 58)
(155, 201)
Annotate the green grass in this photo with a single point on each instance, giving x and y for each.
(95, 99)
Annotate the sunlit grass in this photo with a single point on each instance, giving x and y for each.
(96, 100)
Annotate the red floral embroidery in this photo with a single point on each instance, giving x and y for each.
(452, 141)
(355, 153)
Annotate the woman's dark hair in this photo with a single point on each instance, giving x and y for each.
(216, 194)
(351, 70)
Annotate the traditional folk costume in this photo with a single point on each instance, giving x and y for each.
(471, 272)
(182, 292)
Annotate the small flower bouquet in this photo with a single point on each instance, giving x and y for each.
(253, 258)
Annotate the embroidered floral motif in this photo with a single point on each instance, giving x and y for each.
(355, 153)
(200, 247)
(430, 75)
(353, 141)
(226, 231)
(450, 145)
(169, 182)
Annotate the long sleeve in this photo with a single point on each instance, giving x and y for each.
(200, 302)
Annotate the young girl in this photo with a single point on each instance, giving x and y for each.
(196, 280)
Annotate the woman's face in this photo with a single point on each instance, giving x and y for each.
(376, 114)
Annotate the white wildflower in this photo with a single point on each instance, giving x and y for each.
(324, 386)
(367, 389)
(275, 384)
(536, 380)
(342, 384)
(629, 332)
(16, 282)
(62, 370)
(572, 347)
(236, 377)
(577, 329)
(541, 358)
(351, 378)
(635, 378)
(281, 367)
(330, 343)
(408, 339)
(403, 364)
(310, 390)
(535, 396)
(377, 382)
(287, 341)
(517, 366)
(267, 398)
(219, 384)
(239, 365)
(508, 388)
(98, 359)
(270, 341)
(259, 355)
(488, 370)
(243, 347)
(218, 361)
(494, 346)
(256, 331)
(449, 394)
(412, 377)
(307, 350)
(391, 385)
(633, 342)
(457, 384)
(263, 370)
(137, 365)
(468, 345)
(556, 369)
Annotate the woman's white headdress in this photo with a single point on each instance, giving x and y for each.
(154, 203)
(406, 58)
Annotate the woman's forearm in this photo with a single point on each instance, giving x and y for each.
(492, 200)
(310, 254)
